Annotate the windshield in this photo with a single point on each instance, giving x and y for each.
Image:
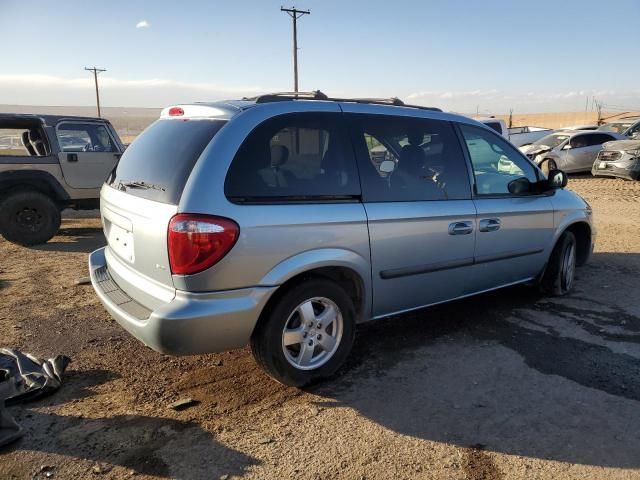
(618, 127)
(551, 141)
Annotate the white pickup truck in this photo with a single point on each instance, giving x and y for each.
(518, 136)
(521, 136)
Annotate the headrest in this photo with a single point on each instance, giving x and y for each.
(34, 135)
(415, 138)
(279, 155)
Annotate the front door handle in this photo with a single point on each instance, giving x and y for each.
(72, 157)
(460, 228)
(489, 225)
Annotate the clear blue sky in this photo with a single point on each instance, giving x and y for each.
(538, 55)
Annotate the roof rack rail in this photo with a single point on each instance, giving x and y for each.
(280, 96)
(318, 95)
(382, 101)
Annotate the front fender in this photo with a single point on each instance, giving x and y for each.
(321, 258)
(569, 208)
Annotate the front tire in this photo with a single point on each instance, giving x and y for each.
(307, 334)
(29, 218)
(559, 277)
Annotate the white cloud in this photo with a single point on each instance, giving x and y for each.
(143, 24)
(495, 101)
(33, 89)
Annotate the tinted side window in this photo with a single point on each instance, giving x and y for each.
(598, 139)
(296, 156)
(409, 159)
(84, 137)
(496, 126)
(495, 162)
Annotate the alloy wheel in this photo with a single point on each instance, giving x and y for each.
(312, 333)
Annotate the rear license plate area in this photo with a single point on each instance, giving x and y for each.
(121, 242)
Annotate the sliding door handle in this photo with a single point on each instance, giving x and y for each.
(460, 228)
(489, 224)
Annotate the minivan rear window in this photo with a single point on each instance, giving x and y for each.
(157, 164)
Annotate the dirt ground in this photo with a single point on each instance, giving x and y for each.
(505, 385)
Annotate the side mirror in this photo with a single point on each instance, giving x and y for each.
(567, 147)
(387, 166)
(557, 179)
(519, 186)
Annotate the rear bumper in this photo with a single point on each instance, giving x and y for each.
(191, 323)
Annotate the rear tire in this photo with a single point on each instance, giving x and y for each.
(28, 218)
(292, 344)
(559, 277)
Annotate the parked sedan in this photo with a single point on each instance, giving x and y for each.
(569, 150)
(619, 159)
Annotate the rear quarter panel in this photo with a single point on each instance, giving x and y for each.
(277, 241)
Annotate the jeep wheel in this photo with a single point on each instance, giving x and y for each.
(560, 274)
(28, 218)
(307, 334)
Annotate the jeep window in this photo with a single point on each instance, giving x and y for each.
(405, 159)
(162, 157)
(495, 162)
(12, 142)
(84, 137)
(296, 157)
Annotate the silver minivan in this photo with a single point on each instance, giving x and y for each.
(284, 220)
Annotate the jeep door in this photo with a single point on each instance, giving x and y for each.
(88, 153)
(514, 231)
(417, 196)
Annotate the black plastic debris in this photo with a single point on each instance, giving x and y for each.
(24, 377)
(9, 429)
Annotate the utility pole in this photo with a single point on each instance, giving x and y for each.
(96, 71)
(599, 110)
(295, 15)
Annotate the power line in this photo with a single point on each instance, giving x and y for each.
(96, 71)
(295, 14)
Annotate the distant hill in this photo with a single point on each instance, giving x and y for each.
(128, 121)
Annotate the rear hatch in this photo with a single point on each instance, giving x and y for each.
(141, 196)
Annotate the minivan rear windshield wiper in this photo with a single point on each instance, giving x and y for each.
(123, 185)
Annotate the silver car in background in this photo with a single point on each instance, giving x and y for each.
(571, 151)
(619, 159)
(284, 220)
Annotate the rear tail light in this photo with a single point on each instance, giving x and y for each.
(197, 242)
